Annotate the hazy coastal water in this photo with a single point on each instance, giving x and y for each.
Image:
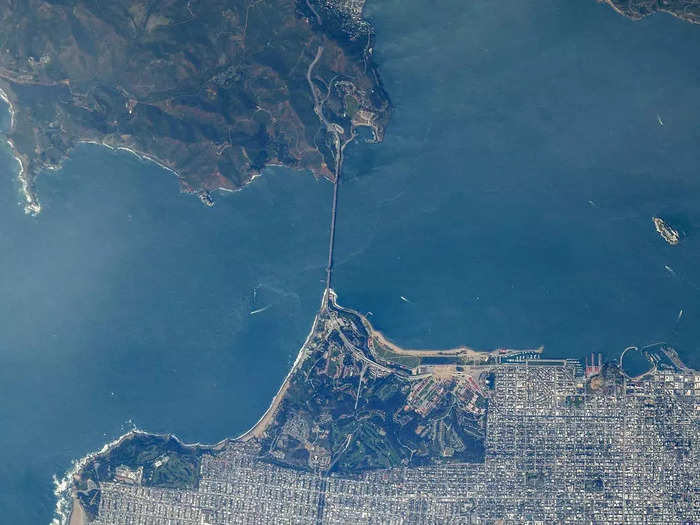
(511, 201)
(510, 204)
(126, 301)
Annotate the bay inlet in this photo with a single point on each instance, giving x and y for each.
(126, 303)
(509, 206)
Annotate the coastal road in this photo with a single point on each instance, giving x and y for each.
(336, 132)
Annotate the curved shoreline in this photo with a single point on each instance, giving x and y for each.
(427, 352)
(31, 203)
(63, 490)
(66, 497)
(633, 348)
(675, 14)
(6, 99)
(458, 350)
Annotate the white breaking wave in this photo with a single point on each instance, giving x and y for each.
(62, 487)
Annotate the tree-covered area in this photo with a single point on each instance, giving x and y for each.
(344, 413)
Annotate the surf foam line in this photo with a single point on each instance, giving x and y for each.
(6, 99)
(63, 490)
(31, 204)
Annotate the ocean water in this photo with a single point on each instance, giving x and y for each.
(510, 205)
(512, 198)
(126, 303)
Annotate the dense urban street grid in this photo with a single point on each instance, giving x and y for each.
(559, 448)
(362, 430)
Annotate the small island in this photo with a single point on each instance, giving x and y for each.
(361, 430)
(353, 401)
(670, 235)
(688, 10)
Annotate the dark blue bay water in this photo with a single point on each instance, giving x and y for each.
(634, 363)
(125, 301)
(510, 204)
(511, 201)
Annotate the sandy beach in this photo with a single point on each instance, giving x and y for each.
(459, 350)
(258, 429)
(77, 515)
(379, 338)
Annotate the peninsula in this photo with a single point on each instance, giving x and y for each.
(214, 91)
(363, 430)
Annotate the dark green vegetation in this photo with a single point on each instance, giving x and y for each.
(575, 401)
(346, 413)
(214, 89)
(385, 355)
(686, 9)
(145, 459)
